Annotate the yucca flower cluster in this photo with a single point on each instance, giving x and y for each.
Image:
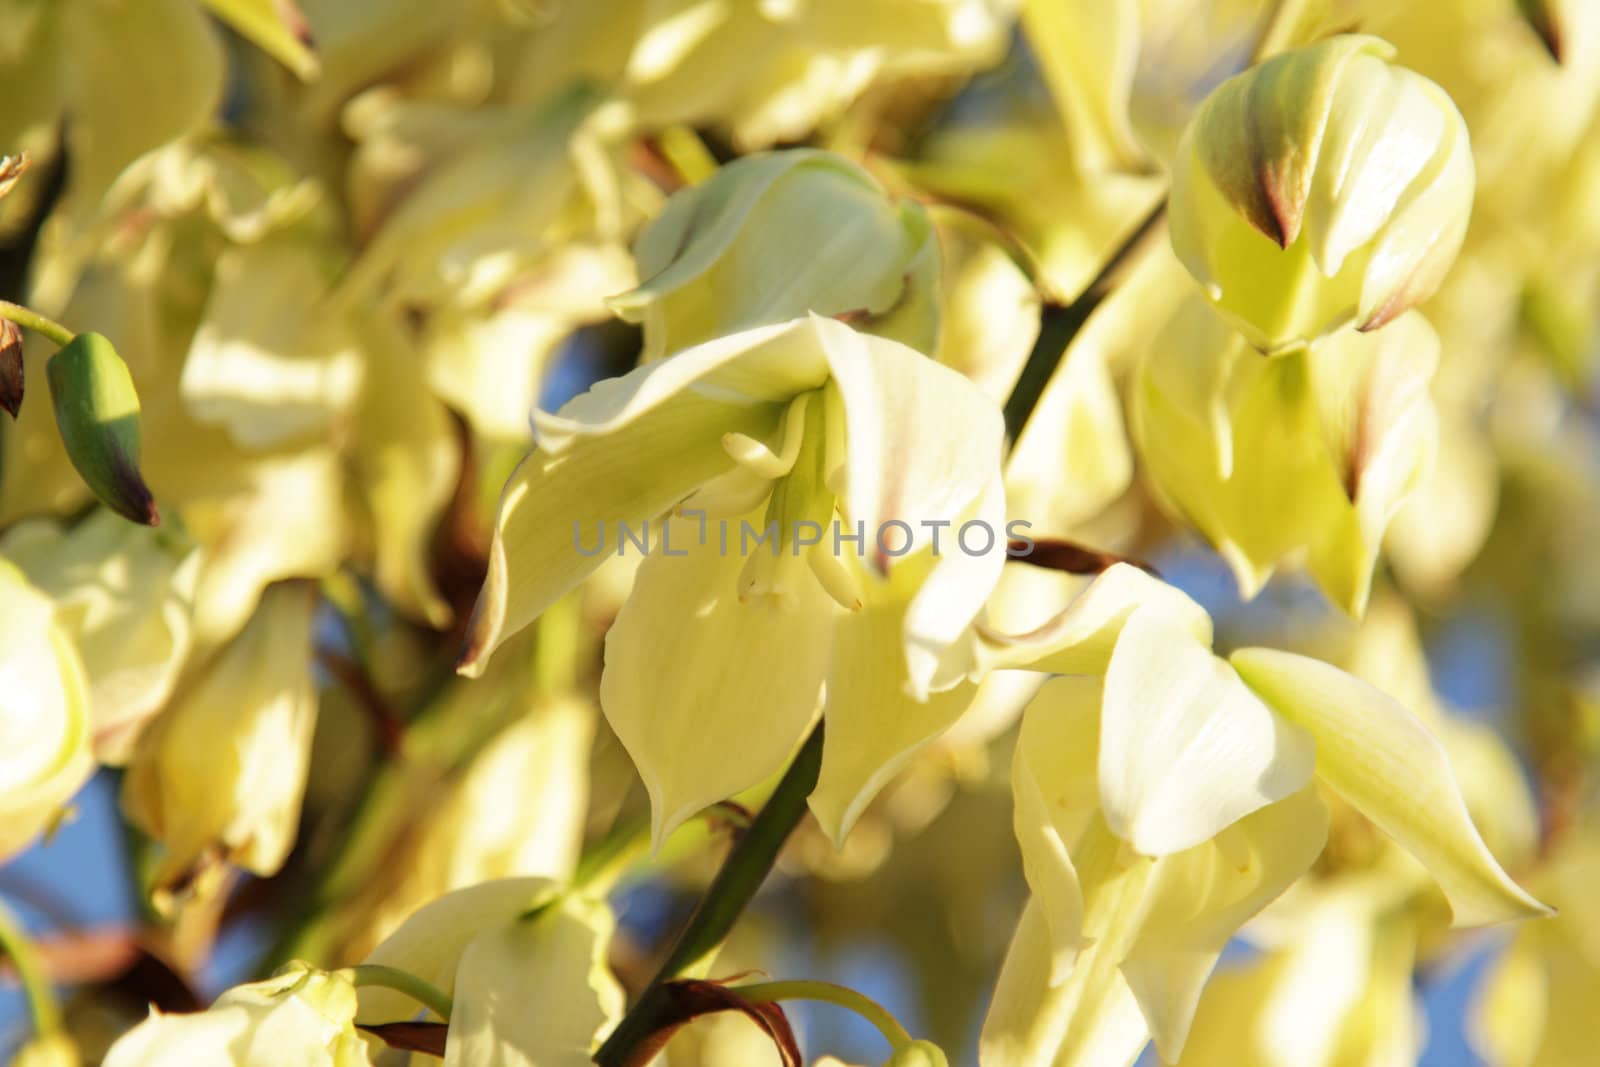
(558, 525)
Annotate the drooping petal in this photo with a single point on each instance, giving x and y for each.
(1186, 749)
(1088, 53)
(430, 943)
(407, 463)
(1054, 790)
(875, 722)
(1198, 899)
(140, 75)
(1090, 1019)
(937, 636)
(923, 442)
(222, 772)
(266, 363)
(1080, 639)
(710, 695)
(535, 991)
(624, 453)
(1375, 754)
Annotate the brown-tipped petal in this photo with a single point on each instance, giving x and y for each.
(10, 367)
(1545, 18)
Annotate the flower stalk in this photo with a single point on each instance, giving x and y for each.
(730, 892)
(423, 992)
(29, 319)
(828, 993)
(42, 1005)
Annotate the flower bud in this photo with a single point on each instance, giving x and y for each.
(1322, 187)
(97, 413)
(44, 713)
(10, 367)
(771, 237)
(918, 1054)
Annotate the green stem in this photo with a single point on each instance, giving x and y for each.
(827, 992)
(730, 892)
(42, 1004)
(1059, 324)
(423, 992)
(32, 320)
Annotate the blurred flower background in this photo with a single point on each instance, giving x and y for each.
(345, 248)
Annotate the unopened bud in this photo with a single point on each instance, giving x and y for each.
(918, 1054)
(97, 413)
(1323, 187)
(10, 367)
(773, 236)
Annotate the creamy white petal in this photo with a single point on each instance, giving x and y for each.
(430, 943)
(875, 723)
(710, 695)
(1186, 749)
(1054, 790)
(534, 991)
(1079, 640)
(923, 442)
(1197, 900)
(1386, 763)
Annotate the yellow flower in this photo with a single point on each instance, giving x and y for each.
(1308, 455)
(300, 1017)
(806, 433)
(124, 593)
(525, 964)
(1325, 186)
(1160, 806)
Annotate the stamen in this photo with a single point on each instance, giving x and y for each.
(755, 457)
(834, 577)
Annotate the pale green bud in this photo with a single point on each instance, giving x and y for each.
(1323, 187)
(774, 236)
(918, 1054)
(97, 412)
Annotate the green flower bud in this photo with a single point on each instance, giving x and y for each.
(774, 236)
(1322, 187)
(918, 1054)
(97, 412)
